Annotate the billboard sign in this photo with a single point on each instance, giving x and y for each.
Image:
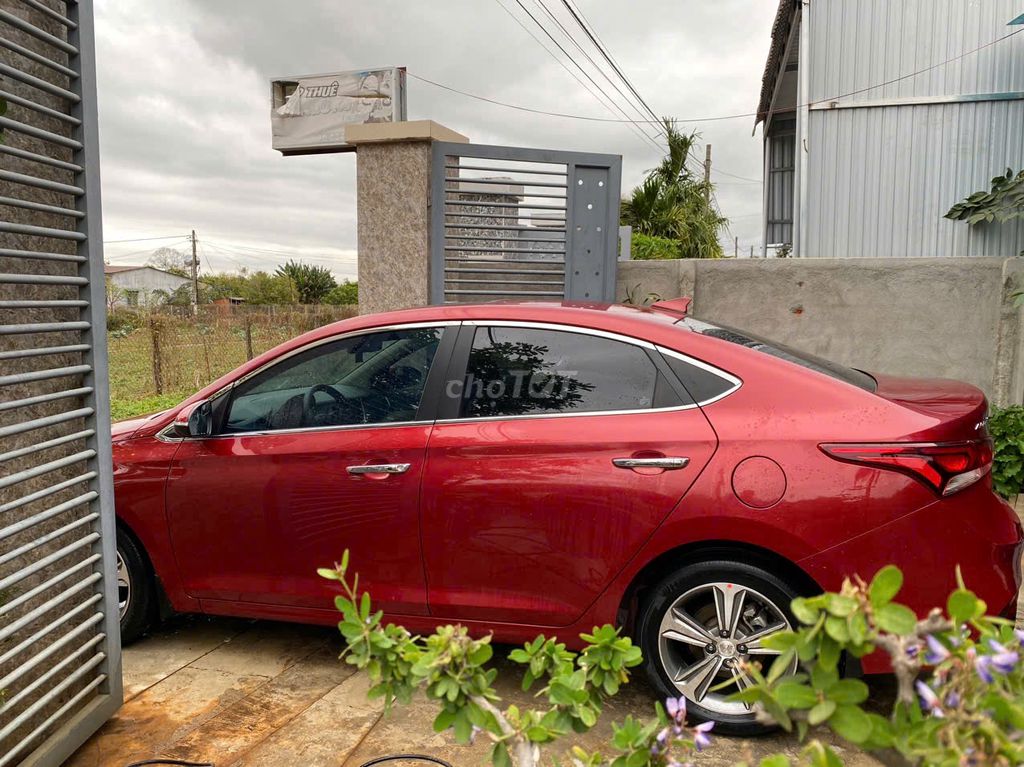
(308, 113)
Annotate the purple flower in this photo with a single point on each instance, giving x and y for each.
(913, 650)
(937, 651)
(676, 708)
(1020, 635)
(701, 739)
(982, 664)
(1002, 659)
(929, 700)
(953, 700)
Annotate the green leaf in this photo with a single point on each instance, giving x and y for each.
(851, 723)
(500, 756)
(848, 691)
(823, 677)
(776, 760)
(804, 612)
(781, 640)
(795, 695)
(443, 720)
(328, 573)
(840, 606)
(885, 585)
(821, 712)
(837, 629)
(964, 606)
(896, 619)
(828, 654)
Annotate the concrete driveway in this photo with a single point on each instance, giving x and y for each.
(236, 692)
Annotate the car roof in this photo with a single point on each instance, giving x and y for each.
(593, 314)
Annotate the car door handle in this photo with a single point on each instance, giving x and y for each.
(380, 468)
(651, 463)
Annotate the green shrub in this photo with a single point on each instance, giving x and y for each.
(124, 321)
(647, 247)
(1006, 425)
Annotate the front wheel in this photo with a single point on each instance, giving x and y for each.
(136, 590)
(699, 622)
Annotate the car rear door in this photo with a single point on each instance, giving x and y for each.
(557, 453)
(296, 473)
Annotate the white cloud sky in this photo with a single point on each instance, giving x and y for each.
(185, 125)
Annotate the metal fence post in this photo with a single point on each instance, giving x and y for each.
(154, 334)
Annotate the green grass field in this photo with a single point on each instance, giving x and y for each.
(193, 352)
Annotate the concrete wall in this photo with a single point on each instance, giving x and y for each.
(945, 317)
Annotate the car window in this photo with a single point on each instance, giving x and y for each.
(803, 359)
(364, 379)
(527, 371)
(702, 384)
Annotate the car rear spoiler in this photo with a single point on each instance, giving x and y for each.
(678, 307)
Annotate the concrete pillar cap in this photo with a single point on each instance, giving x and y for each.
(406, 131)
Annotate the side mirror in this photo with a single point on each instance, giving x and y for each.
(196, 420)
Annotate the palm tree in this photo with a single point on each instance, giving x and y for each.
(673, 204)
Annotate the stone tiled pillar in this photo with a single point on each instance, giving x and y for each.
(393, 193)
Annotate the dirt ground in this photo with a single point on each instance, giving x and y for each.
(236, 692)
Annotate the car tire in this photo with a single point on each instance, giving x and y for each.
(136, 589)
(684, 609)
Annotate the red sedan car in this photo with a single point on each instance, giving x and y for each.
(526, 468)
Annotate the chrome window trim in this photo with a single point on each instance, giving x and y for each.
(736, 382)
(567, 329)
(164, 434)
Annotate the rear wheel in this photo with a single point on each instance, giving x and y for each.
(136, 591)
(699, 623)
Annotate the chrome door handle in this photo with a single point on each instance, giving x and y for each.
(651, 463)
(380, 468)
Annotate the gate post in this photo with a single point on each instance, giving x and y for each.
(393, 169)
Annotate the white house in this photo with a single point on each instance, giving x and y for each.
(135, 285)
(878, 116)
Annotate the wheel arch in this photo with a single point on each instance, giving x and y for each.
(702, 551)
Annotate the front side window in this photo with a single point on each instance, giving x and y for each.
(375, 378)
(529, 371)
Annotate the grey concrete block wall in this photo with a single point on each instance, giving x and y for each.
(942, 317)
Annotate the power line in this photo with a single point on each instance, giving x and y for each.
(587, 28)
(633, 124)
(594, 64)
(581, 69)
(145, 239)
(716, 118)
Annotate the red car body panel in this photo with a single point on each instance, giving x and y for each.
(522, 526)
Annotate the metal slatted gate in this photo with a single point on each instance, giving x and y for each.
(508, 222)
(60, 663)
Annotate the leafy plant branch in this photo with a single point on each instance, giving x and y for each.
(450, 667)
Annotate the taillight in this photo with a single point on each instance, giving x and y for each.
(946, 467)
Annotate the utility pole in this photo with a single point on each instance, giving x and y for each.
(195, 276)
(736, 254)
(707, 174)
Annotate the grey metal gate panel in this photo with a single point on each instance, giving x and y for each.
(60, 661)
(510, 222)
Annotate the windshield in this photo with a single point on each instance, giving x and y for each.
(858, 378)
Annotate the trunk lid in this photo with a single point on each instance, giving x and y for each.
(958, 410)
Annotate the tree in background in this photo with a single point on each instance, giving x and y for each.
(345, 294)
(313, 283)
(671, 208)
(1002, 203)
(169, 260)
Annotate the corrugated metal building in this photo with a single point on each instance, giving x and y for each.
(879, 115)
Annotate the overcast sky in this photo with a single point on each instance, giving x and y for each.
(185, 123)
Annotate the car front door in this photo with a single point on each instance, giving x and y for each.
(557, 454)
(321, 451)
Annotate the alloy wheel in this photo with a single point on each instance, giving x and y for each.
(704, 635)
(124, 586)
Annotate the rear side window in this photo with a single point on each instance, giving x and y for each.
(701, 384)
(803, 359)
(528, 371)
